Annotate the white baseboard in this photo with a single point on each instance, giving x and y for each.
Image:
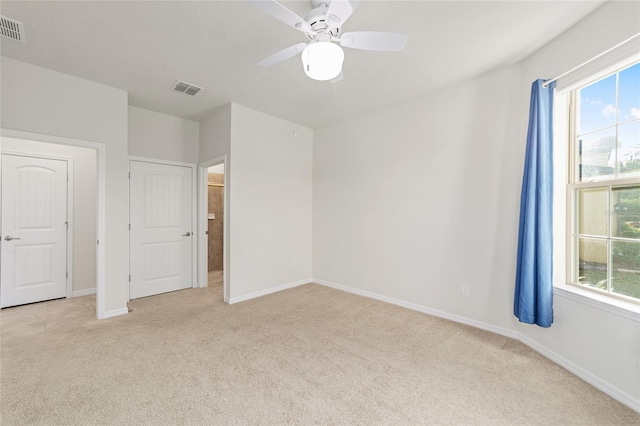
(115, 313)
(436, 313)
(614, 392)
(596, 382)
(85, 292)
(260, 293)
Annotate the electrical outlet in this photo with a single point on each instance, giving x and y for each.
(465, 290)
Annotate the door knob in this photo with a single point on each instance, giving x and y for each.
(9, 238)
(188, 234)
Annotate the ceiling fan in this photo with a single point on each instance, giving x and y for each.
(322, 57)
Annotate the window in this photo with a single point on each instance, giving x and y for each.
(604, 185)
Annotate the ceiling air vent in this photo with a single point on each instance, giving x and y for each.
(187, 88)
(11, 29)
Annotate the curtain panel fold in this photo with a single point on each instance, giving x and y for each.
(533, 301)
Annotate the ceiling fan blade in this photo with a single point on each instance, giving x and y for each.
(282, 55)
(281, 13)
(340, 10)
(374, 40)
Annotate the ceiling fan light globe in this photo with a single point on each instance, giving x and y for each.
(322, 60)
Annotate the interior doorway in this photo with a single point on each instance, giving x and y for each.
(215, 225)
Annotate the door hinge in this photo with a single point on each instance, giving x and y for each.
(129, 278)
(129, 227)
(67, 223)
(129, 175)
(67, 274)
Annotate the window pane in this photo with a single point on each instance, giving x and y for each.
(629, 94)
(598, 105)
(629, 149)
(594, 152)
(625, 258)
(592, 262)
(625, 220)
(593, 205)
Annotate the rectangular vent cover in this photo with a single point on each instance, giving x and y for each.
(12, 29)
(187, 88)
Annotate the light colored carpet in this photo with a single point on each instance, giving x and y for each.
(309, 355)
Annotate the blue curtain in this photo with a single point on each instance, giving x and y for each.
(533, 302)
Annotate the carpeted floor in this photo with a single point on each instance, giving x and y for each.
(309, 355)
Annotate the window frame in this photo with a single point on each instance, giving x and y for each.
(574, 185)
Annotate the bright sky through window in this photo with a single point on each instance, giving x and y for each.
(610, 119)
(598, 101)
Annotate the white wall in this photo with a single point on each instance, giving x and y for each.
(217, 169)
(409, 201)
(85, 184)
(414, 200)
(270, 179)
(39, 100)
(215, 134)
(163, 137)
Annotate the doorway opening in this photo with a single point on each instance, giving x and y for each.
(215, 226)
(213, 232)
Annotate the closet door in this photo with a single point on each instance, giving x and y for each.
(34, 230)
(161, 232)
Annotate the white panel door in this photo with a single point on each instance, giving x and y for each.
(161, 233)
(34, 230)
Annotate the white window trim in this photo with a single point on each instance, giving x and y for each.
(563, 110)
(610, 304)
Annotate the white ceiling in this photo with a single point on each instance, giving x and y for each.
(143, 47)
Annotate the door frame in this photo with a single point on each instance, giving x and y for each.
(202, 224)
(69, 234)
(194, 248)
(100, 210)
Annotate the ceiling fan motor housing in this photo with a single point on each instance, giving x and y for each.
(317, 20)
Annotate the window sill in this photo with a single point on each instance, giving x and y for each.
(618, 307)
